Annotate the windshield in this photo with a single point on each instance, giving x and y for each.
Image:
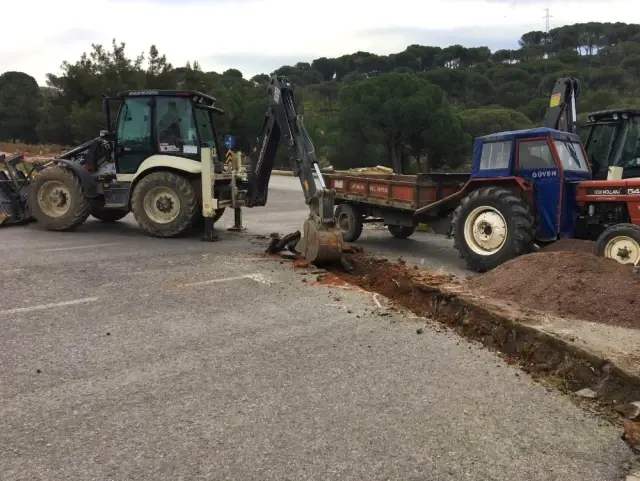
(571, 156)
(630, 151)
(600, 142)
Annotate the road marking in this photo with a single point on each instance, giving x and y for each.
(259, 278)
(92, 246)
(49, 306)
(256, 277)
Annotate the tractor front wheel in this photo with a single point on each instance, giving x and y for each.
(164, 203)
(57, 199)
(490, 226)
(620, 242)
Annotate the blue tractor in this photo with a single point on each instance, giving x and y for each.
(522, 191)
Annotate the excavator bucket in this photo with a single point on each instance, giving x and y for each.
(13, 191)
(319, 244)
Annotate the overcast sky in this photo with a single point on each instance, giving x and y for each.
(258, 36)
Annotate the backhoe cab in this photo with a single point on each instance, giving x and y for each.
(161, 163)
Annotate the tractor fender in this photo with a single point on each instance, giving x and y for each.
(170, 162)
(87, 181)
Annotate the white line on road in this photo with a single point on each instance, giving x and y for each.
(91, 246)
(256, 277)
(49, 306)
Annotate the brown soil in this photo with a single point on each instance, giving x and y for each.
(572, 245)
(32, 150)
(393, 280)
(569, 284)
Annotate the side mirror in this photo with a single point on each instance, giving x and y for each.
(107, 135)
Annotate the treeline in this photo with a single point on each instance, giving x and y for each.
(417, 109)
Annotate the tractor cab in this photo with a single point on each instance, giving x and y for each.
(160, 123)
(612, 139)
(547, 163)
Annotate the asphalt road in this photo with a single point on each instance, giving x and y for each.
(125, 357)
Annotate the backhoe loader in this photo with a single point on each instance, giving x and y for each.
(162, 162)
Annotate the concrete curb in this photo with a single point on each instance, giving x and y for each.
(512, 333)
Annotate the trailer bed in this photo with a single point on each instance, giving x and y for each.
(409, 193)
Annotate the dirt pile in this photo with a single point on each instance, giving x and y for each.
(571, 245)
(568, 283)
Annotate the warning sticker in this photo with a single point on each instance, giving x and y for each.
(555, 100)
(168, 148)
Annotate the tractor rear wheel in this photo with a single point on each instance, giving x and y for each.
(164, 203)
(57, 199)
(490, 226)
(100, 212)
(620, 242)
(349, 221)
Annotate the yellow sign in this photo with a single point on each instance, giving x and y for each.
(555, 100)
(229, 156)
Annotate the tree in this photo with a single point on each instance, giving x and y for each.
(417, 107)
(478, 122)
(398, 110)
(19, 97)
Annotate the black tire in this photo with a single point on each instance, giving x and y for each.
(520, 229)
(180, 187)
(198, 218)
(104, 214)
(401, 231)
(349, 221)
(631, 231)
(70, 192)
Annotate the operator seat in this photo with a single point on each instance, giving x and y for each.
(169, 127)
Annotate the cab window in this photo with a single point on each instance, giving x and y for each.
(495, 155)
(205, 127)
(535, 154)
(630, 152)
(571, 156)
(134, 124)
(177, 131)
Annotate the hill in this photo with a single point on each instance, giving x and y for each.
(418, 108)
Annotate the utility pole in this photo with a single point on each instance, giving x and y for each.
(547, 17)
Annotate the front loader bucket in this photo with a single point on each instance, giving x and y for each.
(13, 192)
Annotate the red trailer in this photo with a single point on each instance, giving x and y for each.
(400, 201)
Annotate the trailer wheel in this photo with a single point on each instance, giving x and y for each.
(401, 231)
(490, 226)
(349, 222)
(104, 214)
(57, 199)
(620, 242)
(164, 203)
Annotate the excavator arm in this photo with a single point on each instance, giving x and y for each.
(562, 113)
(322, 240)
